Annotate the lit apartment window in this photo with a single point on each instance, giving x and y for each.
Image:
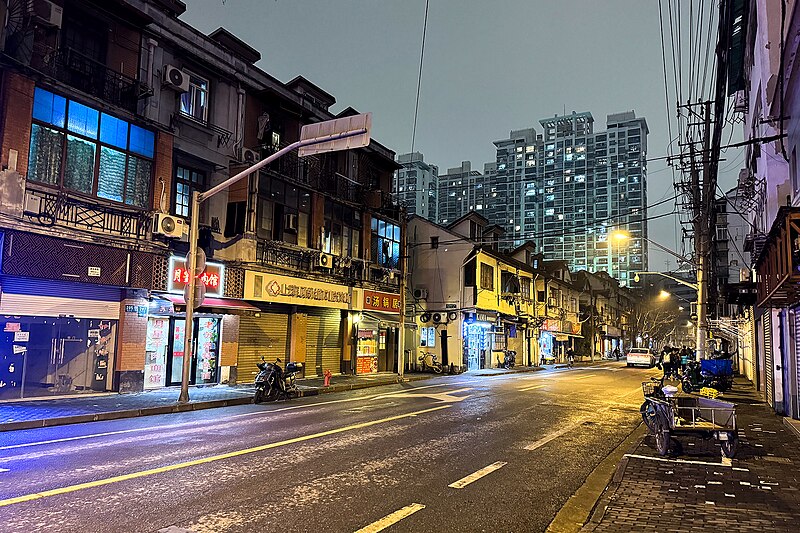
(194, 102)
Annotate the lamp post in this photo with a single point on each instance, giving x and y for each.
(333, 135)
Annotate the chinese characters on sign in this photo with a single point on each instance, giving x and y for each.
(381, 301)
(213, 277)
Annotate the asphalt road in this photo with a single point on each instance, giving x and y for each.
(454, 453)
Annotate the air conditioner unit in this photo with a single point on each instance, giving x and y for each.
(290, 222)
(425, 317)
(250, 156)
(552, 302)
(168, 225)
(436, 317)
(47, 13)
(325, 260)
(420, 294)
(451, 316)
(33, 204)
(176, 78)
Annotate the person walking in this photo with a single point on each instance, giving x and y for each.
(616, 353)
(570, 358)
(665, 362)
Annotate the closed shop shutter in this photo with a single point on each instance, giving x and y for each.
(769, 370)
(29, 297)
(265, 335)
(323, 341)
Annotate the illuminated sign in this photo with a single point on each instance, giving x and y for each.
(264, 287)
(213, 277)
(382, 301)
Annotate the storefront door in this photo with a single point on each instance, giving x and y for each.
(477, 345)
(46, 356)
(205, 352)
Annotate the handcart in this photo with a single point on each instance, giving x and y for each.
(669, 416)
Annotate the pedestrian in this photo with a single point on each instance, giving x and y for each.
(665, 362)
(570, 358)
(616, 353)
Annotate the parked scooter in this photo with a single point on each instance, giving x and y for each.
(715, 374)
(272, 382)
(510, 359)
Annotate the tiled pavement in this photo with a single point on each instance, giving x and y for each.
(758, 491)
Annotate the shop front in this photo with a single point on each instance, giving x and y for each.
(57, 337)
(555, 338)
(166, 329)
(612, 339)
(376, 331)
(479, 337)
(299, 320)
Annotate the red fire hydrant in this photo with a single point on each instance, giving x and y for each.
(327, 381)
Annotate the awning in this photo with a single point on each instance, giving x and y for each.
(220, 303)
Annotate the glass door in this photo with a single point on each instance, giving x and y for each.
(205, 351)
(177, 346)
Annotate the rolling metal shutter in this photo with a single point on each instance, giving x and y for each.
(266, 335)
(769, 365)
(323, 341)
(39, 297)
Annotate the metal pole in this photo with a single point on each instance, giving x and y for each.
(197, 198)
(401, 344)
(189, 329)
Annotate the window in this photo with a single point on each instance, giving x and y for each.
(194, 102)
(342, 230)
(487, 277)
(78, 148)
(186, 182)
(385, 243)
(283, 212)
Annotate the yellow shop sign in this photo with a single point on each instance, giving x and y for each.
(265, 287)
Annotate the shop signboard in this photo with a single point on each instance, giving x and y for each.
(382, 301)
(213, 277)
(265, 287)
(552, 324)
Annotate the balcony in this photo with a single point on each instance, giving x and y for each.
(58, 209)
(778, 264)
(91, 77)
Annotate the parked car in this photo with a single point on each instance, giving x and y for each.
(641, 356)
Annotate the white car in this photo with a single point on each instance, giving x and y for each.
(641, 356)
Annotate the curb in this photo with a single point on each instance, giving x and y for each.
(600, 506)
(183, 407)
(507, 372)
(125, 413)
(586, 507)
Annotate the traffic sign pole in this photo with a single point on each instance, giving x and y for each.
(334, 134)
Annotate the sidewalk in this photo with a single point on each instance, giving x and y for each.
(33, 413)
(759, 490)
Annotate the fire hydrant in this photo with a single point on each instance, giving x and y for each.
(327, 381)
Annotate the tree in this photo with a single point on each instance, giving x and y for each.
(656, 321)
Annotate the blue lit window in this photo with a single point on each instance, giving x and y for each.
(142, 141)
(113, 131)
(49, 108)
(109, 169)
(385, 243)
(82, 120)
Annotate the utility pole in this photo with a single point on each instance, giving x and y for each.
(333, 135)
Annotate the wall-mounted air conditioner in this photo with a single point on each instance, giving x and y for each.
(421, 294)
(175, 78)
(250, 156)
(47, 13)
(168, 225)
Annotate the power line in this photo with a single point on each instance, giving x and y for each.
(419, 77)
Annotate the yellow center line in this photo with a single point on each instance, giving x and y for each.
(586, 376)
(210, 459)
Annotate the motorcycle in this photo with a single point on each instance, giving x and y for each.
(272, 382)
(510, 359)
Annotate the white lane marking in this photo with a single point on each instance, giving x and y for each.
(531, 388)
(552, 436)
(212, 458)
(393, 518)
(585, 377)
(475, 476)
(663, 460)
(206, 423)
(4, 470)
(442, 396)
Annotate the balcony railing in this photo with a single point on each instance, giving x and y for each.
(92, 77)
(58, 209)
(778, 264)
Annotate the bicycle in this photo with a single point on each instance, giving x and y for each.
(435, 365)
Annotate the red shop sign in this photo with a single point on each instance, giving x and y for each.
(382, 301)
(213, 277)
